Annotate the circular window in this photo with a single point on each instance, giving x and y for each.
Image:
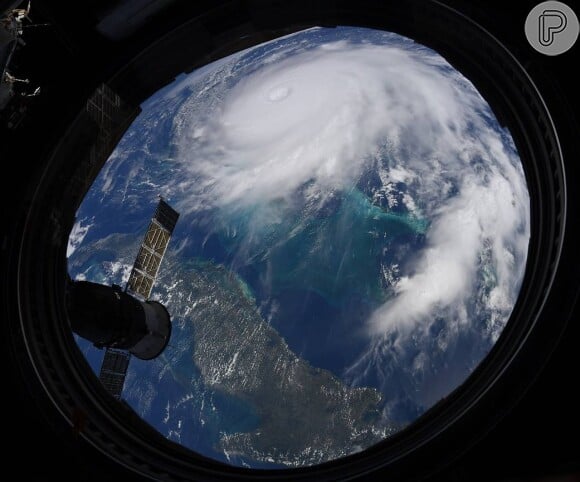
(353, 233)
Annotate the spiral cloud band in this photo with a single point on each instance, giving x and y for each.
(323, 116)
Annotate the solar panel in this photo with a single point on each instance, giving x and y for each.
(152, 250)
(166, 216)
(114, 370)
(141, 280)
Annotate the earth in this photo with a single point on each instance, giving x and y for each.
(353, 234)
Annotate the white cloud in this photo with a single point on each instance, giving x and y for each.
(117, 271)
(445, 272)
(77, 234)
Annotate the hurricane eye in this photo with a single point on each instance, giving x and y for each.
(353, 234)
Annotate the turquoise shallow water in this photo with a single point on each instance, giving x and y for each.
(337, 254)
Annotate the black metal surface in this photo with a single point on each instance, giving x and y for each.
(104, 315)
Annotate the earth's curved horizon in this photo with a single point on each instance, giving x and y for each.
(353, 237)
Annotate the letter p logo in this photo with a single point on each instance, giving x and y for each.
(552, 27)
(551, 22)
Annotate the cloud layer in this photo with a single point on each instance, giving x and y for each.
(77, 235)
(324, 116)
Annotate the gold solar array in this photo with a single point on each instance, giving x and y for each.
(148, 260)
(116, 362)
